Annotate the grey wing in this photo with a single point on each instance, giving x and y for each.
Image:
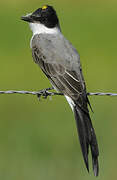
(64, 71)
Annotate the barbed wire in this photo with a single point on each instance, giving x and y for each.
(102, 94)
(46, 92)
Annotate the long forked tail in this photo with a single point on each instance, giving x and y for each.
(87, 138)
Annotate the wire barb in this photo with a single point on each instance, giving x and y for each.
(46, 92)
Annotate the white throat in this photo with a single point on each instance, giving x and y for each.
(38, 28)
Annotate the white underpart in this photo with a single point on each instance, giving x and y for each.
(71, 103)
(38, 28)
(69, 100)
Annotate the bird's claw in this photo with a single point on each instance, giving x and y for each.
(44, 93)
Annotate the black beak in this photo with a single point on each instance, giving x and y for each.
(27, 18)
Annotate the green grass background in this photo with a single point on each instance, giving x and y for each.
(38, 139)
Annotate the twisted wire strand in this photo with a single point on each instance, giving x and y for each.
(46, 92)
(102, 94)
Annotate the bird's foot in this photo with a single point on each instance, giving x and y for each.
(44, 93)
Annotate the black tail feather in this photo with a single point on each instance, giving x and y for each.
(87, 138)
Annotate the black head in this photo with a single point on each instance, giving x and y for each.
(45, 15)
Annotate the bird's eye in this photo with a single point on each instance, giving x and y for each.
(44, 7)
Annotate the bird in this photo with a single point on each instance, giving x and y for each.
(60, 62)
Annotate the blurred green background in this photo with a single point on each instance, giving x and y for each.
(38, 139)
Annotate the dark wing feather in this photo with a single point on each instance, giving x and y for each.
(64, 80)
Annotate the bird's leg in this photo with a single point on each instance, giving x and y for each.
(44, 93)
(48, 89)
